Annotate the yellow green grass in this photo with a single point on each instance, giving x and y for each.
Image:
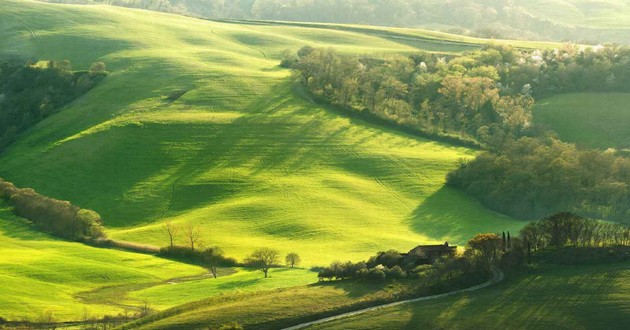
(597, 120)
(558, 297)
(39, 273)
(239, 154)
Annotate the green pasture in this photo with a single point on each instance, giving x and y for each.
(558, 297)
(597, 120)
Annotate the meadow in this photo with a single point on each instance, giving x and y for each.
(238, 153)
(196, 124)
(548, 296)
(596, 120)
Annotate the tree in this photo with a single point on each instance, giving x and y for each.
(293, 259)
(485, 247)
(98, 68)
(213, 257)
(171, 231)
(193, 234)
(263, 259)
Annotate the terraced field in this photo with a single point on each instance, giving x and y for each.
(197, 124)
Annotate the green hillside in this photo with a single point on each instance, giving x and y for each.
(39, 273)
(238, 153)
(558, 297)
(588, 119)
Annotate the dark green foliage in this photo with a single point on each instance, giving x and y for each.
(567, 229)
(211, 257)
(422, 92)
(30, 93)
(57, 217)
(531, 178)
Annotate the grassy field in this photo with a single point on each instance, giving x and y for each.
(238, 154)
(591, 13)
(598, 120)
(39, 273)
(290, 305)
(550, 297)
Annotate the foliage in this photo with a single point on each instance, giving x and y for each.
(32, 92)
(211, 257)
(486, 248)
(531, 178)
(567, 229)
(293, 259)
(60, 218)
(263, 259)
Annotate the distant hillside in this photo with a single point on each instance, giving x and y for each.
(589, 21)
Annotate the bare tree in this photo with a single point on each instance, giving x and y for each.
(263, 259)
(171, 231)
(292, 259)
(193, 234)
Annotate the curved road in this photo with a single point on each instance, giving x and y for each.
(497, 276)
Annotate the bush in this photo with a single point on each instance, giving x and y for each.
(57, 217)
(376, 274)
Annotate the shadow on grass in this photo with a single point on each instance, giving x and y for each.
(549, 297)
(453, 216)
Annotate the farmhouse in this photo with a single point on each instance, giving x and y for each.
(431, 252)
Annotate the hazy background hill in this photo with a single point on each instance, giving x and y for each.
(589, 21)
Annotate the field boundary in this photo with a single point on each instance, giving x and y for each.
(497, 276)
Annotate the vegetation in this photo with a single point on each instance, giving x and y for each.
(486, 95)
(565, 228)
(39, 273)
(293, 259)
(532, 178)
(57, 217)
(229, 154)
(34, 91)
(591, 120)
(560, 20)
(547, 296)
(263, 259)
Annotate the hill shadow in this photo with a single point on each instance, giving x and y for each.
(453, 216)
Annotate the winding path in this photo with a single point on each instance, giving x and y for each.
(497, 276)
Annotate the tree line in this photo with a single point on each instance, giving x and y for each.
(568, 229)
(57, 217)
(213, 257)
(486, 96)
(33, 91)
(531, 178)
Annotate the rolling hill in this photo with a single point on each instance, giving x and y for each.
(559, 297)
(596, 120)
(197, 124)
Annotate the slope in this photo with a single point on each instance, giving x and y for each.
(238, 153)
(596, 120)
(559, 297)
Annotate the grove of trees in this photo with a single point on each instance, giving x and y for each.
(485, 98)
(31, 92)
(57, 217)
(532, 178)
